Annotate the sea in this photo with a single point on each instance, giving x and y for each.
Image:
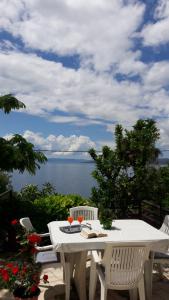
(68, 176)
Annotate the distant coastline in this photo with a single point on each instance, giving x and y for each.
(70, 160)
(160, 161)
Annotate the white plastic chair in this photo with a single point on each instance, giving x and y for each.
(88, 212)
(46, 255)
(27, 225)
(161, 258)
(120, 269)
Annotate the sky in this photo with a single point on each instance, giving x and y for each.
(83, 66)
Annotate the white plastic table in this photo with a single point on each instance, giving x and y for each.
(129, 231)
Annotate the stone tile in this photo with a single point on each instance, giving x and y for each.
(55, 289)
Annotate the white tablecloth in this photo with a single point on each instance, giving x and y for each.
(129, 231)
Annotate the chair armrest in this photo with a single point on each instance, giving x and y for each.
(44, 248)
(44, 234)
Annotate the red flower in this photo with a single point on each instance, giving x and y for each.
(34, 250)
(9, 265)
(5, 275)
(45, 277)
(15, 270)
(14, 222)
(33, 288)
(34, 238)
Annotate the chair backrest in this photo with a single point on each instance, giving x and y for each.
(26, 224)
(124, 264)
(88, 212)
(165, 226)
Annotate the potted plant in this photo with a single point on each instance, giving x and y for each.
(21, 278)
(20, 274)
(106, 217)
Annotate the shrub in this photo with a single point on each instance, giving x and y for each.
(55, 207)
(30, 192)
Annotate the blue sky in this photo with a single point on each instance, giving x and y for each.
(81, 67)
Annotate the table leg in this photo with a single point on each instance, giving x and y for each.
(148, 270)
(80, 274)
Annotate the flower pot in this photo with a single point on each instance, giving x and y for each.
(20, 294)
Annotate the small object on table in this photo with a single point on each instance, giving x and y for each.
(70, 220)
(80, 220)
(87, 233)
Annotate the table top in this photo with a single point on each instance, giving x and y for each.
(124, 231)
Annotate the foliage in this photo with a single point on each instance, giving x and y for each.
(5, 183)
(125, 175)
(40, 210)
(31, 192)
(12, 207)
(16, 153)
(9, 102)
(55, 207)
(21, 272)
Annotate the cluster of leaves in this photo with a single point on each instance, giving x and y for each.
(46, 206)
(56, 207)
(21, 272)
(125, 176)
(16, 153)
(31, 192)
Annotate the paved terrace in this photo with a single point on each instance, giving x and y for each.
(55, 289)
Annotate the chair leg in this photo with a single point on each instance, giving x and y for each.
(93, 280)
(141, 289)
(133, 294)
(103, 291)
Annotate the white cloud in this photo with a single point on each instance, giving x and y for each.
(99, 31)
(47, 87)
(73, 119)
(131, 64)
(157, 33)
(162, 9)
(157, 75)
(58, 143)
(164, 133)
(102, 33)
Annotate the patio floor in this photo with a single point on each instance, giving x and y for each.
(55, 290)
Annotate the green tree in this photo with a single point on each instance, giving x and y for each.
(17, 153)
(9, 102)
(125, 176)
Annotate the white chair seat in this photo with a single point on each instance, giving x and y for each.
(46, 257)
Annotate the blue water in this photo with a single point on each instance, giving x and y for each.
(67, 176)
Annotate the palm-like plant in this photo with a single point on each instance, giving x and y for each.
(9, 102)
